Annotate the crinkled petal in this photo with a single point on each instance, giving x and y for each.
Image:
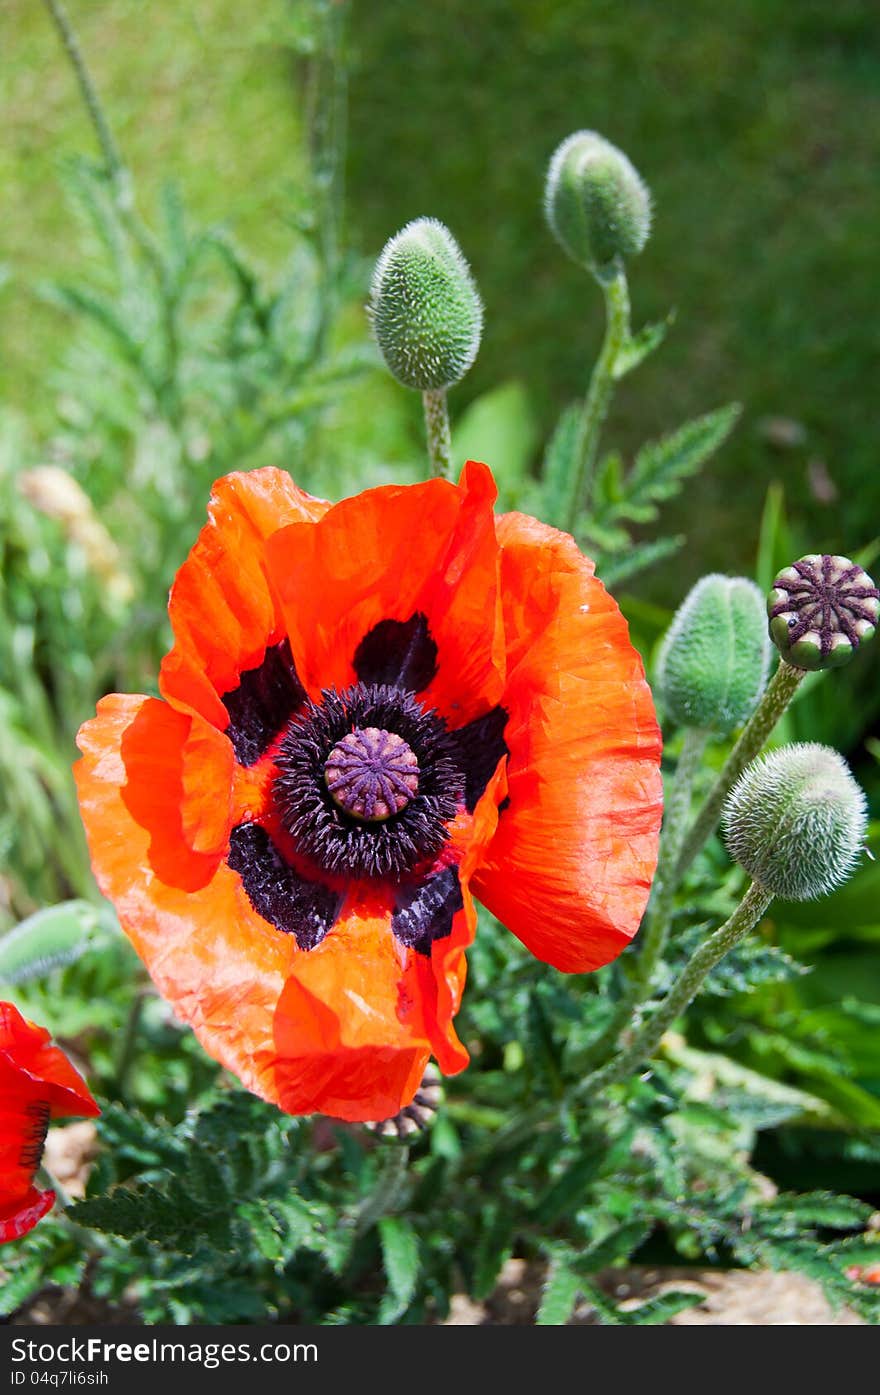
(222, 609)
(570, 866)
(389, 554)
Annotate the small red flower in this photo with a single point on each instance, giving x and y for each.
(37, 1083)
(371, 711)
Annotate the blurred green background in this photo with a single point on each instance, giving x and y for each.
(755, 124)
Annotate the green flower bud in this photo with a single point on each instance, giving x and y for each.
(713, 661)
(596, 203)
(821, 609)
(425, 309)
(796, 821)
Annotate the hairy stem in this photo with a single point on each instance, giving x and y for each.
(778, 694)
(112, 159)
(439, 436)
(598, 396)
(678, 807)
(653, 941)
(327, 106)
(167, 391)
(684, 990)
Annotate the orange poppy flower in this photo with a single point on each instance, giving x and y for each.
(370, 712)
(37, 1083)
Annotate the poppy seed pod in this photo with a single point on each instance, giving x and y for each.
(597, 205)
(821, 609)
(425, 309)
(796, 820)
(713, 662)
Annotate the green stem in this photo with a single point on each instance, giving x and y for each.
(116, 170)
(45, 1179)
(328, 98)
(678, 808)
(167, 392)
(129, 1040)
(438, 432)
(778, 694)
(653, 941)
(598, 396)
(388, 1189)
(684, 990)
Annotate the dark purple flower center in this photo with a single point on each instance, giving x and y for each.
(371, 774)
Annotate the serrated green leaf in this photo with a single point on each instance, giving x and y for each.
(665, 1306)
(637, 559)
(639, 346)
(615, 1248)
(563, 1197)
(823, 1209)
(560, 463)
(559, 1295)
(400, 1257)
(661, 466)
(18, 1287)
(494, 1248)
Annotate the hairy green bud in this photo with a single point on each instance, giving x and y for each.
(821, 609)
(425, 309)
(796, 821)
(713, 661)
(597, 205)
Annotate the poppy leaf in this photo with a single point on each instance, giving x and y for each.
(400, 1256)
(560, 1294)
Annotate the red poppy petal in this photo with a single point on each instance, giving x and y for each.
(30, 1062)
(443, 976)
(570, 867)
(17, 1219)
(172, 774)
(349, 1031)
(390, 553)
(222, 609)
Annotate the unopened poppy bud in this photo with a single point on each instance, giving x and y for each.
(425, 309)
(821, 609)
(597, 205)
(713, 662)
(796, 820)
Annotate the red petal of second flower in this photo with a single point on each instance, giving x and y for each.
(17, 1219)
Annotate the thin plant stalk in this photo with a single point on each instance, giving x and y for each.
(778, 694)
(682, 993)
(438, 432)
(598, 398)
(659, 917)
(686, 987)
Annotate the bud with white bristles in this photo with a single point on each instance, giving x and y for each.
(425, 309)
(796, 821)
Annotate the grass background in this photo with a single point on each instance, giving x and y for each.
(755, 123)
